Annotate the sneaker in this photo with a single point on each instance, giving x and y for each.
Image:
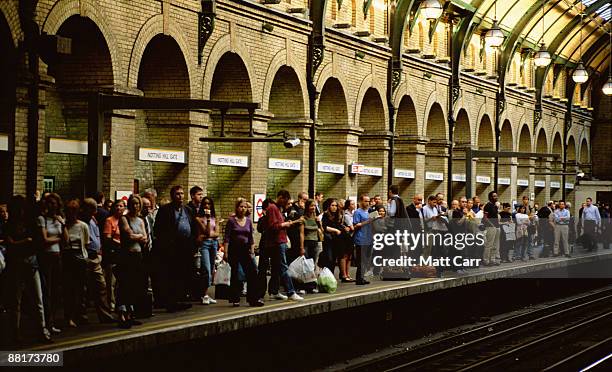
(278, 296)
(295, 297)
(55, 331)
(301, 292)
(205, 300)
(316, 290)
(211, 300)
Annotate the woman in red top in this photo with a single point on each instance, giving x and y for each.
(111, 236)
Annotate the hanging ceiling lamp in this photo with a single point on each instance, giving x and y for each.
(542, 57)
(607, 88)
(580, 74)
(494, 38)
(431, 9)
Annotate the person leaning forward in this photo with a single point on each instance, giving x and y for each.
(175, 229)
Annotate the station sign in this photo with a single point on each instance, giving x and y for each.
(483, 179)
(289, 164)
(540, 183)
(434, 176)
(372, 171)
(240, 161)
(503, 181)
(569, 185)
(70, 146)
(258, 206)
(330, 168)
(459, 177)
(523, 183)
(161, 155)
(555, 185)
(4, 142)
(356, 168)
(404, 173)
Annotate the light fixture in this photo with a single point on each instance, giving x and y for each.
(268, 26)
(431, 9)
(607, 88)
(542, 57)
(494, 38)
(359, 54)
(580, 74)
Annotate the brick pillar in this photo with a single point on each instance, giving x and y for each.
(119, 168)
(459, 187)
(436, 159)
(373, 152)
(225, 183)
(525, 167)
(21, 142)
(293, 181)
(339, 145)
(409, 153)
(196, 171)
(484, 167)
(506, 192)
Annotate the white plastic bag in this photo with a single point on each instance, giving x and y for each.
(302, 270)
(327, 281)
(223, 274)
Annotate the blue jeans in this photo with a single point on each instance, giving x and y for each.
(279, 272)
(208, 250)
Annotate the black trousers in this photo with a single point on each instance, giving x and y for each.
(174, 272)
(589, 237)
(242, 256)
(131, 280)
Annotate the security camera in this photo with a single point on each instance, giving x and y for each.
(291, 143)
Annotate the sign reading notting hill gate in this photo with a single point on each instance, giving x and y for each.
(275, 163)
(435, 176)
(229, 160)
(404, 173)
(330, 168)
(161, 155)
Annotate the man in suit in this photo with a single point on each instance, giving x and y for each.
(175, 230)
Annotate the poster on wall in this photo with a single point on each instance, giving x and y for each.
(258, 206)
(122, 195)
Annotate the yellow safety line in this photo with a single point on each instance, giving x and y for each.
(170, 323)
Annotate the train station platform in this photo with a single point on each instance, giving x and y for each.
(106, 341)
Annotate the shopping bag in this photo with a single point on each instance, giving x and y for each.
(509, 231)
(302, 270)
(327, 282)
(223, 274)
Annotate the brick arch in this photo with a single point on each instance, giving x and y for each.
(584, 151)
(431, 101)
(11, 15)
(406, 112)
(482, 131)
(557, 142)
(507, 129)
(571, 148)
(222, 46)
(524, 134)
(463, 127)
(484, 110)
(63, 10)
(541, 141)
(340, 96)
(404, 91)
(436, 109)
(326, 74)
(367, 83)
(155, 26)
(280, 60)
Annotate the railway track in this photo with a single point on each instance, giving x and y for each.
(509, 343)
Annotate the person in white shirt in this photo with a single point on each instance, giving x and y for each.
(561, 219)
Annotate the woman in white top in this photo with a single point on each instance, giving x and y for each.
(51, 225)
(74, 254)
(522, 235)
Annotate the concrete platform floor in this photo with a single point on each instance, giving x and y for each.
(103, 340)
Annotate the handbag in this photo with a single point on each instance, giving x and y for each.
(509, 231)
(223, 274)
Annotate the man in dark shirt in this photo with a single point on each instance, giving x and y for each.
(545, 229)
(174, 232)
(101, 213)
(295, 212)
(275, 228)
(491, 223)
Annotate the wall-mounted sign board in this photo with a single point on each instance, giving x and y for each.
(503, 181)
(434, 176)
(404, 173)
(240, 161)
(523, 183)
(69, 146)
(483, 179)
(555, 185)
(330, 168)
(4, 142)
(161, 155)
(459, 177)
(539, 183)
(289, 164)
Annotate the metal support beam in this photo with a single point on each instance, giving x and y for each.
(95, 138)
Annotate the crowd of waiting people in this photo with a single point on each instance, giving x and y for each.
(127, 257)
